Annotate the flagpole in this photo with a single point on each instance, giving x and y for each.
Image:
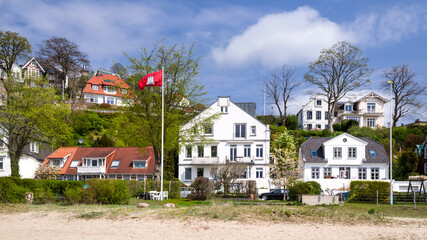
(163, 134)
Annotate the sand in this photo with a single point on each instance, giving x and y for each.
(59, 225)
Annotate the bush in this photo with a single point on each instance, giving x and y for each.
(337, 126)
(106, 191)
(298, 188)
(366, 191)
(250, 188)
(202, 189)
(10, 192)
(105, 105)
(73, 195)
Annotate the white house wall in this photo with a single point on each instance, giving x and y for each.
(312, 106)
(224, 137)
(28, 166)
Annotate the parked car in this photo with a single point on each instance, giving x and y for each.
(343, 196)
(276, 194)
(185, 191)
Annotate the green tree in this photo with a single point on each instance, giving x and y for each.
(406, 165)
(12, 48)
(284, 169)
(140, 123)
(31, 115)
(291, 122)
(338, 70)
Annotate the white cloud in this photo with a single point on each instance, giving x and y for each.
(286, 38)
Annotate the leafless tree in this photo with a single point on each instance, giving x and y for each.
(279, 87)
(226, 174)
(66, 59)
(338, 70)
(405, 90)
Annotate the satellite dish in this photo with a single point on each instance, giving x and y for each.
(80, 141)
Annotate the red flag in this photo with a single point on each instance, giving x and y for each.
(151, 80)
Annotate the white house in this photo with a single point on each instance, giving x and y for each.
(367, 110)
(335, 162)
(314, 114)
(31, 159)
(235, 135)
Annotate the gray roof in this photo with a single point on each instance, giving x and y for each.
(316, 143)
(44, 151)
(248, 107)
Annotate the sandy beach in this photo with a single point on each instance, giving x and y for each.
(59, 225)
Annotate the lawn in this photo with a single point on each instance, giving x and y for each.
(245, 211)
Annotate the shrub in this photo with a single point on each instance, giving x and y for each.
(10, 192)
(106, 191)
(105, 105)
(73, 195)
(250, 188)
(202, 189)
(337, 126)
(298, 188)
(366, 191)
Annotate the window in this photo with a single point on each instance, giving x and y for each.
(188, 152)
(74, 164)
(326, 126)
(56, 162)
(315, 173)
(370, 107)
(353, 118)
(259, 149)
(126, 177)
(94, 163)
(318, 102)
(208, 128)
(240, 131)
(247, 150)
(318, 115)
(110, 100)
(373, 153)
(259, 173)
(348, 108)
(309, 127)
(326, 115)
(337, 152)
(344, 172)
(362, 173)
(314, 153)
(224, 109)
(327, 172)
(200, 151)
(309, 115)
(375, 173)
(124, 91)
(34, 147)
(253, 130)
(140, 164)
(115, 164)
(200, 172)
(233, 152)
(214, 151)
(95, 87)
(1, 163)
(352, 152)
(109, 89)
(187, 174)
(318, 126)
(370, 122)
(245, 174)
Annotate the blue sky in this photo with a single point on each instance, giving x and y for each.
(240, 42)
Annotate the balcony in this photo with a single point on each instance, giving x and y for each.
(98, 169)
(373, 113)
(205, 160)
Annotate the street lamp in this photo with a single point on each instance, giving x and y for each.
(391, 141)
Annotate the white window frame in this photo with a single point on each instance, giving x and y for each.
(327, 171)
(370, 108)
(318, 115)
(371, 122)
(110, 100)
(200, 151)
(139, 163)
(203, 171)
(375, 173)
(317, 102)
(247, 150)
(216, 151)
(309, 116)
(233, 152)
(315, 172)
(34, 147)
(238, 133)
(259, 172)
(2, 162)
(185, 173)
(95, 87)
(224, 109)
(337, 152)
(253, 130)
(352, 152)
(362, 173)
(348, 108)
(259, 151)
(115, 164)
(188, 151)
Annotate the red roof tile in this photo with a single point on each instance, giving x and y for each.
(104, 79)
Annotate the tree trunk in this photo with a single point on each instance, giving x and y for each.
(14, 165)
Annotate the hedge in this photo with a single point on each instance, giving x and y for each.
(309, 187)
(366, 191)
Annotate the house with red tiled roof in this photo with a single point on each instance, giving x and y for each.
(104, 87)
(127, 163)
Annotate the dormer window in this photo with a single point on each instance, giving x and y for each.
(313, 153)
(370, 107)
(57, 162)
(139, 163)
(224, 109)
(319, 103)
(373, 153)
(95, 87)
(115, 164)
(34, 147)
(348, 108)
(124, 91)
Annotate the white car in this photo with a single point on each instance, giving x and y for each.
(185, 191)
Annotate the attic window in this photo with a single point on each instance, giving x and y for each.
(139, 164)
(373, 153)
(95, 87)
(313, 153)
(74, 164)
(124, 91)
(115, 164)
(344, 140)
(224, 109)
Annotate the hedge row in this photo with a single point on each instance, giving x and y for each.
(137, 187)
(366, 191)
(309, 187)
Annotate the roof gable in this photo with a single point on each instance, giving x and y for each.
(340, 139)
